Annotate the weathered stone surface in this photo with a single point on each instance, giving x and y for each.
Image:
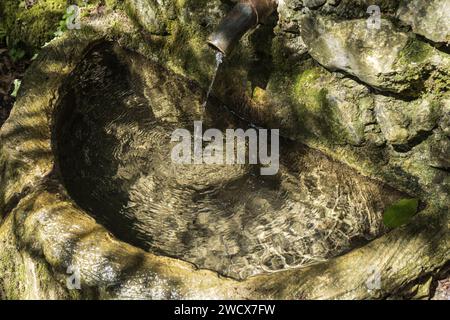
(440, 150)
(404, 122)
(445, 119)
(388, 60)
(352, 9)
(427, 18)
(313, 4)
(324, 105)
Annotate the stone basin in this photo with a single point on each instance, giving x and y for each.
(87, 184)
(113, 144)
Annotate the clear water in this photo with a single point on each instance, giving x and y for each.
(219, 60)
(114, 154)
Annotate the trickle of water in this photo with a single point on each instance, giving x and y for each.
(219, 60)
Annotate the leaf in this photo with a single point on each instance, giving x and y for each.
(17, 83)
(400, 213)
(56, 34)
(2, 31)
(16, 54)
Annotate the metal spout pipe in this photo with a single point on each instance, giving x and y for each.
(246, 15)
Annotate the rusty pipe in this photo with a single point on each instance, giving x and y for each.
(245, 15)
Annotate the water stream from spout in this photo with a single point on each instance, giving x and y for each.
(219, 60)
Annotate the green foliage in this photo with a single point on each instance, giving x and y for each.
(17, 84)
(400, 213)
(31, 25)
(2, 33)
(16, 53)
(67, 18)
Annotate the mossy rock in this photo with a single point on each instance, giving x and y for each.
(30, 27)
(34, 26)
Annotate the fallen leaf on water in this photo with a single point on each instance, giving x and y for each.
(400, 213)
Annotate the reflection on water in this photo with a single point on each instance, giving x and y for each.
(116, 119)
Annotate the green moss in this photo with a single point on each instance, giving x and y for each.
(115, 4)
(439, 82)
(306, 78)
(31, 27)
(176, 41)
(415, 52)
(421, 73)
(306, 91)
(310, 93)
(317, 116)
(12, 271)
